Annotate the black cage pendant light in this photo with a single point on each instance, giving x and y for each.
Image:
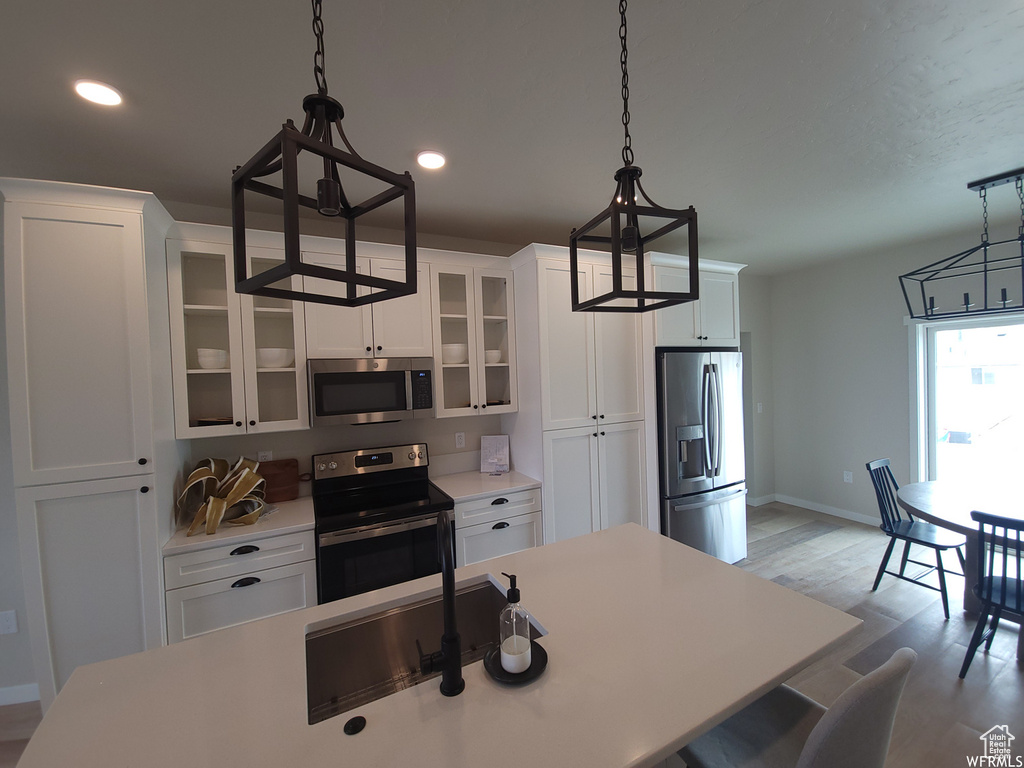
(987, 279)
(280, 159)
(628, 226)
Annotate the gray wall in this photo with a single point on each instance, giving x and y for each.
(840, 348)
(758, 386)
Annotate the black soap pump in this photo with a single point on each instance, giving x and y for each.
(515, 646)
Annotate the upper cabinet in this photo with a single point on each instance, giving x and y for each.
(711, 321)
(393, 328)
(474, 340)
(590, 362)
(238, 361)
(77, 329)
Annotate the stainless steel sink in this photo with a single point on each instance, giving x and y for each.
(363, 660)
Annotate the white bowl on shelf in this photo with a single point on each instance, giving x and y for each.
(212, 358)
(492, 355)
(453, 354)
(274, 357)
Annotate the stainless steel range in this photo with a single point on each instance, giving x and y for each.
(376, 519)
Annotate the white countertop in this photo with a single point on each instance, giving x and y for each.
(470, 485)
(650, 643)
(288, 517)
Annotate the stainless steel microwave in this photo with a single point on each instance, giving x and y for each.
(370, 390)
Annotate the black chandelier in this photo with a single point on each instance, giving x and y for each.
(280, 157)
(991, 273)
(629, 226)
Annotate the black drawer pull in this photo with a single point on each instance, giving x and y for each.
(248, 549)
(499, 526)
(248, 581)
(500, 500)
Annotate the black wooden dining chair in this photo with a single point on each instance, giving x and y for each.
(1000, 584)
(911, 531)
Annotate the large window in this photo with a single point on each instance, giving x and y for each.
(974, 399)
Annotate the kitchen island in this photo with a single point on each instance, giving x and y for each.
(650, 643)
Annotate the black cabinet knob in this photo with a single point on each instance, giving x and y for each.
(595, 434)
(594, 417)
(379, 348)
(238, 423)
(602, 434)
(369, 349)
(143, 461)
(483, 406)
(602, 415)
(475, 407)
(144, 489)
(252, 423)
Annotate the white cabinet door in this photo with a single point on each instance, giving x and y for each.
(456, 386)
(618, 341)
(720, 309)
(495, 336)
(401, 327)
(75, 302)
(677, 326)
(476, 543)
(571, 490)
(91, 562)
(621, 473)
(567, 352)
(336, 332)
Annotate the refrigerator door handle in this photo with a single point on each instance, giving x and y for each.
(705, 417)
(703, 502)
(719, 418)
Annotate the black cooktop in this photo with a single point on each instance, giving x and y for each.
(340, 509)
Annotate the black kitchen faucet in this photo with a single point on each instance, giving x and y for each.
(449, 658)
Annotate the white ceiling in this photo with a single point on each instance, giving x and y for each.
(799, 129)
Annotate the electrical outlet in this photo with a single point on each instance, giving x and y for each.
(460, 439)
(265, 456)
(8, 622)
(847, 477)
(760, 407)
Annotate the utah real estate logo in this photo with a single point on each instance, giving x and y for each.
(998, 750)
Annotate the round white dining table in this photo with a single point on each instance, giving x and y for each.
(949, 505)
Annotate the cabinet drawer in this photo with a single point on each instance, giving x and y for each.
(203, 608)
(237, 559)
(488, 508)
(482, 542)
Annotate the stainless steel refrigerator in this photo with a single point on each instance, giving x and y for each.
(700, 449)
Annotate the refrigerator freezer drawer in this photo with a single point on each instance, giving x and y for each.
(717, 526)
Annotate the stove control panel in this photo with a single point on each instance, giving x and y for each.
(346, 463)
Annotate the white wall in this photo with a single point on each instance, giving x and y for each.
(758, 386)
(841, 375)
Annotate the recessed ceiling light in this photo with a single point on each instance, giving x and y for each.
(430, 159)
(98, 93)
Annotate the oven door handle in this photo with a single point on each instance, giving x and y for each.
(342, 537)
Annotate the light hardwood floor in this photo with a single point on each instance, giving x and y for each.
(941, 717)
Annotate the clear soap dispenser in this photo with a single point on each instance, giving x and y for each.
(515, 632)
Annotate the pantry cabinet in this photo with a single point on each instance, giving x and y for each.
(711, 321)
(474, 341)
(239, 361)
(78, 358)
(593, 479)
(591, 366)
(394, 328)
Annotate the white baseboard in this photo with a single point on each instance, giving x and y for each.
(759, 501)
(827, 510)
(19, 694)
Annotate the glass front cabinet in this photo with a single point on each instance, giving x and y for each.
(474, 341)
(239, 361)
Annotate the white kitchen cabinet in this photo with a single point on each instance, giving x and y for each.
(243, 395)
(91, 572)
(591, 369)
(473, 308)
(211, 588)
(393, 328)
(593, 479)
(711, 321)
(476, 543)
(78, 355)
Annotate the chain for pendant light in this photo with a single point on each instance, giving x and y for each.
(627, 147)
(1019, 184)
(318, 57)
(984, 212)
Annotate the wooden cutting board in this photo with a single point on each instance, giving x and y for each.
(282, 479)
